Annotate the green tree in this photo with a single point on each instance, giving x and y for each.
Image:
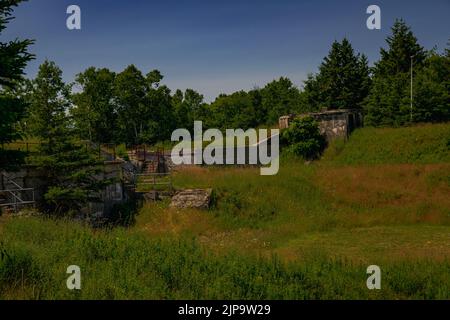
(68, 168)
(144, 107)
(302, 138)
(13, 58)
(343, 80)
(389, 100)
(279, 97)
(188, 107)
(130, 91)
(14, 55)
(432, 90)
(233, 111)
(158, 111)
(94, 109)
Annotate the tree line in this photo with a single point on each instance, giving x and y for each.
(133, 107)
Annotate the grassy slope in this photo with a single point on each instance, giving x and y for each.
(382, 198)
(417, 144)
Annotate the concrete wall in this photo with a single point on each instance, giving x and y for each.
(31, 177)
(332, 123)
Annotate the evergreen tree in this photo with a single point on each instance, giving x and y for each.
(68, 168)
(389, 99)
(13, 58)
(343, 80)
(432, 90)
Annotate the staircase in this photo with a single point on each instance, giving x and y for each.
(12, 195)
(150, 167)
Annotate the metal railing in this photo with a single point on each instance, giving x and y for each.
(16, 194)
(149, 182)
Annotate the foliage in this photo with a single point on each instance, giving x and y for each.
(94, 112)
(14, 56)
(232, 111)
(303, 138)
(278, 98)
(144, 107)
(68, 168)
(257, 107)
(432, 90)
(188, 107)
(343, 80)
(389, 100)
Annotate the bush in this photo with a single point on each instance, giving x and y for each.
(121, 151)
(303, 138)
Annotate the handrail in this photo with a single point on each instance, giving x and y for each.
(8, 179)
(16, 196)
(12, 190)
(17, 200)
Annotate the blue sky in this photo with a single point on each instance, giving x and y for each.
(216, 46)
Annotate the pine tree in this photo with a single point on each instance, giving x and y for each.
(68, 168)
(389, 99)
(13, 58)
(343, 80)
(432, 90)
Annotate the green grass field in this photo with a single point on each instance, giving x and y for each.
(381, 198)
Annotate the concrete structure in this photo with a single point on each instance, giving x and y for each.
(29, 177)
(332, 123)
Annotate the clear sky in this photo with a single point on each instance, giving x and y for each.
(216, 46)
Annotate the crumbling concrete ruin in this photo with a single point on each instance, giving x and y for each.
(332, 123)
(27, 183)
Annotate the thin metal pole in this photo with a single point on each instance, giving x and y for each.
(411, 108)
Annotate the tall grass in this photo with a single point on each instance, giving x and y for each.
(123, 265)
(307, 233)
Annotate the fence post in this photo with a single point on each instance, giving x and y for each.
(15, 202)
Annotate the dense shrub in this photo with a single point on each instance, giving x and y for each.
(303, 138)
